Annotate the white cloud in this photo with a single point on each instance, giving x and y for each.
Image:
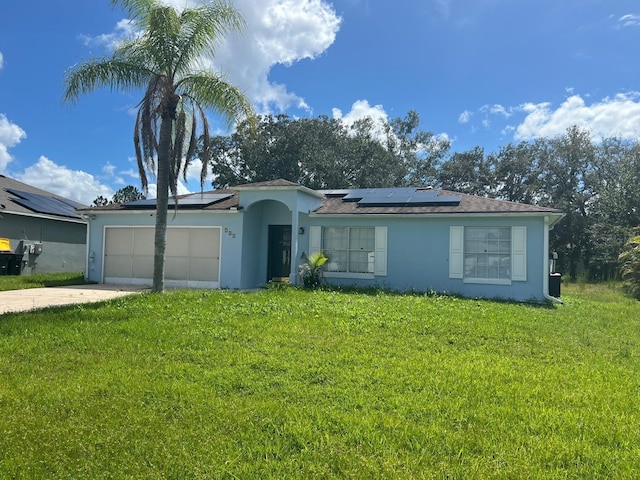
(73, 184)
(193, 175)
(110, 173)
(499, 110)
(465, 116)
(495, 109)
(10, 135)
(279, 32)
(359, 110)
(618, 116)
(153, 189)
(630, 20)
(125, 29)
(1, 61)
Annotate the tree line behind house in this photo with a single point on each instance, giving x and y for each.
(594, 181)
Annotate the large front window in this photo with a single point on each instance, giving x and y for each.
(487, 253)
(349, 249)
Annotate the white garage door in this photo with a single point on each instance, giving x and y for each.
(192, 258)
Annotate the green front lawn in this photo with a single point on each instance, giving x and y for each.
(286, 383)
(19, 282)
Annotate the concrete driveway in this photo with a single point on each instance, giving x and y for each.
(33, 298)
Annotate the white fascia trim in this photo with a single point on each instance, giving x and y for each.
(88, 213)
(556, 216)
(44, 216)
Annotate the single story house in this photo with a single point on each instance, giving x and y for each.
(45, 232)
(409, 239)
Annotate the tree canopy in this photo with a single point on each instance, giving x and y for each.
(327, 153)
(123, 195)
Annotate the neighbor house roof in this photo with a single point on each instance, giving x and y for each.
(23, 199)
(377, 201)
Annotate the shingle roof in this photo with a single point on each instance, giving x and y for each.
(7, 205)
(468, 204)
(332, 204)
(225, 204)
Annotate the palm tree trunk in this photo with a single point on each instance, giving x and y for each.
(162, 203)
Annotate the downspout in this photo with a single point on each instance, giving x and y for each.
(293, 272)
(86, 260)
(545, 267)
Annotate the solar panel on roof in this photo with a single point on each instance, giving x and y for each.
(411, 201)
(194, 200)
(400, 196)
(198, 199)
(151, 202)
(44, 204)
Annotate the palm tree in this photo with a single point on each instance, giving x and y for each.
(163, 61)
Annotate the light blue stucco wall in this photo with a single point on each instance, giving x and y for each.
(417, 246)
(418, 254)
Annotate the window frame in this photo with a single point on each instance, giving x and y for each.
(517, 255)
(348, 250)
(316, 243)
(487, 253)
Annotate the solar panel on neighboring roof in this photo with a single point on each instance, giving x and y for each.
(45, 204)
(190, 201)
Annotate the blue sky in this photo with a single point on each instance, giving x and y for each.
(481, 72)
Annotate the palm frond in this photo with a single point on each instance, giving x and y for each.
(203, 27)
(140, 155)
(137, 10)
(114, 73)
(177, 151)
(161, 38)
(206, 151)
(193, 143)
(214, 93)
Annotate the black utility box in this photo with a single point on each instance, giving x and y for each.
(555, 280)
(10, 263)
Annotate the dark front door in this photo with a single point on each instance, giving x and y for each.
(279, 264)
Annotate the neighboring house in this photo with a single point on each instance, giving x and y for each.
(42, 227)
(399, 238)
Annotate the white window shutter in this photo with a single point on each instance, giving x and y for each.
(456, 253)
(380, 268)
(315, 240)
(519, 254)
